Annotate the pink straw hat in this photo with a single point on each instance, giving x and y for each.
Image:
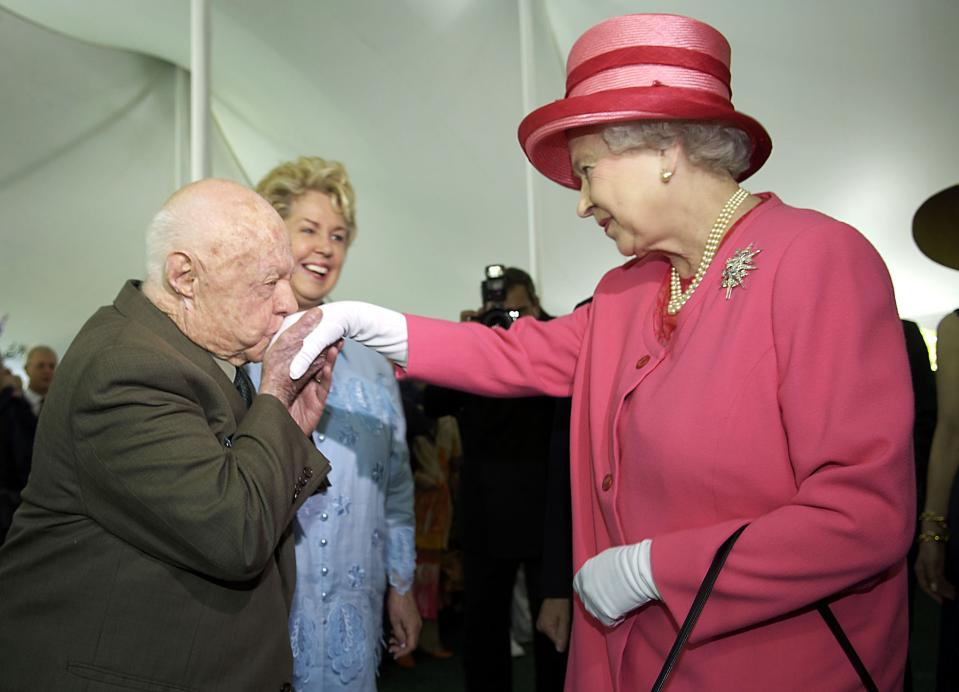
(639, 67)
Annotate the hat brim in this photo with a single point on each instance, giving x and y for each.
(542, 134)
(935, 227)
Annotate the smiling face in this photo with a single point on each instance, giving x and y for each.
(319, 236)
(622, 192)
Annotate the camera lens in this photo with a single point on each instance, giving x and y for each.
(497, 317)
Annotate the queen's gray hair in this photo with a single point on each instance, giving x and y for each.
(716, 147)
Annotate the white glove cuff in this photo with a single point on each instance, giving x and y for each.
(378, 328)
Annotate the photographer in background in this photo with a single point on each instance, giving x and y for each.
(502, 503)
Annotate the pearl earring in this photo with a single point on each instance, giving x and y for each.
(665, 176)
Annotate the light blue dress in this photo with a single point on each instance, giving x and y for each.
(358, 536)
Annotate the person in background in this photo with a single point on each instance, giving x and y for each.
(935, 229)
(40, 365)
(17, 428)
(152, 548)
(742, 374)
(937, 563)
(355, 543)
(435, 449)
(502, 503)
(924, 395)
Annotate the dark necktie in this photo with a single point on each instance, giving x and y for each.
(244, 386)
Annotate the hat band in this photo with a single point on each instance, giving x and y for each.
(640, 55)
(669, 103)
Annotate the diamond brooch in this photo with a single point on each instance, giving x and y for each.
(737, 266)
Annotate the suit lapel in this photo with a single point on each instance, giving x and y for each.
(133, 304)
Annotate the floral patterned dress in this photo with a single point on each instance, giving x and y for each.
(357, 537)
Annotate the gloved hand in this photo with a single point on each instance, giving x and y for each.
(378, 328)
(616, 581)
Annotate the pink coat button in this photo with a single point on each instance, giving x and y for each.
(608, 481)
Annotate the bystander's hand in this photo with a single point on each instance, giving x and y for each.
(8, 379)
(405, 622)
(931, 571)
(469, 315)
(305, 397)
(554, 621)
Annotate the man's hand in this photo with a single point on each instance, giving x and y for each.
(554, 621)
(378, 328)
(303, 398)
(405, 620)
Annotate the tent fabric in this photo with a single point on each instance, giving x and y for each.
(421, 100)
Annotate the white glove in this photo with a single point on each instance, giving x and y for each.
(378, 328)
(616, 581)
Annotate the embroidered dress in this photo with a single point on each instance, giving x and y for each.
(357, 537)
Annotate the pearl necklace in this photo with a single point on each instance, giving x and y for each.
(677, 297)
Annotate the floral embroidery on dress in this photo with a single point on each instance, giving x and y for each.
(305, 644)
(346, 641)
(401, 557)
(341, 505)
(341, 577)
(347, 435)
(357, 577)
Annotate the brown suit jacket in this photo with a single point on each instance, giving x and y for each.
(152, 550)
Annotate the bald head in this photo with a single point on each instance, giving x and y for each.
(212, 218)
(217, 253)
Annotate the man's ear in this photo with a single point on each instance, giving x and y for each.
(181, 274)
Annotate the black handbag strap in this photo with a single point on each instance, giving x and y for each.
(700, 602)
(847, 647)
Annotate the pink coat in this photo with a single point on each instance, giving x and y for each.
(788, 406)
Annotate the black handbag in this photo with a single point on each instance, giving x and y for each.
(700, 602)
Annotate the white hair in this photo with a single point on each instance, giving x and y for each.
(163, 236)
(716, 147)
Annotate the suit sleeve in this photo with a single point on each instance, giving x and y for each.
(846, 408)
(153, 473)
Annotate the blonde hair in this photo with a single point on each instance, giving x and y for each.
(292, 179)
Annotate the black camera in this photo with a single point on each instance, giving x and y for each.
(493, 292)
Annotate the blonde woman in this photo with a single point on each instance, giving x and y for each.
(355, 542)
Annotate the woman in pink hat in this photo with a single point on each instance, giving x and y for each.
(744, 367)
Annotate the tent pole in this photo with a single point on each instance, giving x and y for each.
(199, 89)
(527, 75)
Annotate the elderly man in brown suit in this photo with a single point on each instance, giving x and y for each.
(152, 551)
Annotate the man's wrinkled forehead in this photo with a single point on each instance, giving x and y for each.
(255, 250)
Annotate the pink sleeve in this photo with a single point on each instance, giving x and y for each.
(530, 358)
(845, 397)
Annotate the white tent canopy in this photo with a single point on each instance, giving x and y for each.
(421, 100)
